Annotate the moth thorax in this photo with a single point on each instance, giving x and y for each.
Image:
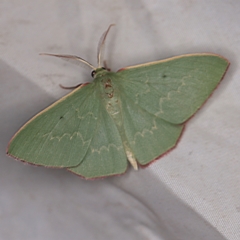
(108, 88)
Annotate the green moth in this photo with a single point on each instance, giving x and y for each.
(132, 116)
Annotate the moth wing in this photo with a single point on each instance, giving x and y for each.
(148, 136)
(106, 155)
(175, 88)
(74, 132)
(60, 135)
(159, 97)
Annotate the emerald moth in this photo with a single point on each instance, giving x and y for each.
(132, 116)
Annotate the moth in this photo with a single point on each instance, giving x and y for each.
(132, 116)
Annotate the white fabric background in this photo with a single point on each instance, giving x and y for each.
(192, 193)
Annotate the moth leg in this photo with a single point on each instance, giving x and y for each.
(72, 87)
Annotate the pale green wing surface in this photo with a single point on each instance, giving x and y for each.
(148, 135)
(106, 155)
(175, 88)
(156, 99)
(60, 135)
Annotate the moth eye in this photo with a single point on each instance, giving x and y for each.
(93, 73)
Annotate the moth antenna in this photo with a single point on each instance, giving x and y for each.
(70, 58)
(106, 66)
(101, 45)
